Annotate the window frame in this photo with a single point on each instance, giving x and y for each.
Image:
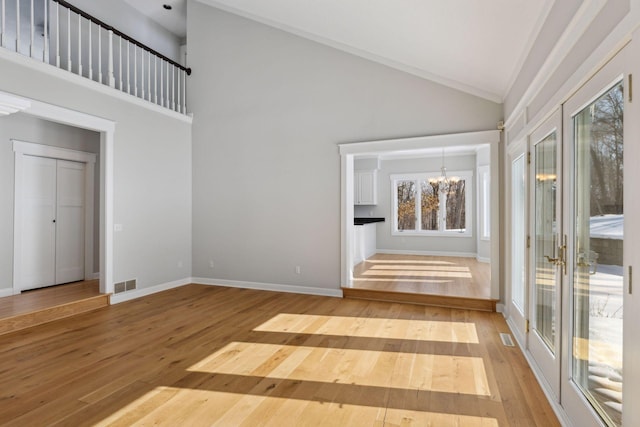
(466, 175)
(484, 202)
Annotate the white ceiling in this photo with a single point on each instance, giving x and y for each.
(477, 46)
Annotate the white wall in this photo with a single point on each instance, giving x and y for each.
(270, 108)
(152, 169)
(30, 129)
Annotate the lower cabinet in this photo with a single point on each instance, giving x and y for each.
(364, 242)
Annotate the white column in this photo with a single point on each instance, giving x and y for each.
(142, 73)
(161, 83)
(173, 87)
(184, 92)
(135, 70)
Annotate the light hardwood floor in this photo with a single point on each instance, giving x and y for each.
(200, 355)
(418, 274)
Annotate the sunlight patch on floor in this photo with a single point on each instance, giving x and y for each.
(426, 330)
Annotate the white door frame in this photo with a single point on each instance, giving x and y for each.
(515, 317)
(349, 150)
(106, 128)
(23, 148)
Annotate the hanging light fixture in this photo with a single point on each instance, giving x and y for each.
(443, 180)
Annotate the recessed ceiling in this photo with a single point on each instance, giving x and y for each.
(477, 46)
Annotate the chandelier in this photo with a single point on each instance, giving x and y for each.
(444, 182)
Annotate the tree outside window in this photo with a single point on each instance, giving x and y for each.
(435, 209)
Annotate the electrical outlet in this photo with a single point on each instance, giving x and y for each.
(179, 264)
(298, 269)
(211, 264)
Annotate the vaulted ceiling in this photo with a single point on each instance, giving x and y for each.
(477, 46)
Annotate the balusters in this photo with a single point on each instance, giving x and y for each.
(45, 31)
(161, 83)
(151, 76)
(184, 92)
(120, 60)
(173, 87)
(80, 44)
(112, 80)
(135, 70)
(68, 39)
(100, 54)
(31, 31)
(148, 76)
(17, 25)
(58, 35)
(155, 79)
(90, 51)
(3, 23)
(128, 68)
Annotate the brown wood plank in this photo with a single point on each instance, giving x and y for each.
(200, 355)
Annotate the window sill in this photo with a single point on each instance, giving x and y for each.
(431, 234)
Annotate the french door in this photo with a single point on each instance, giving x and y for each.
(547, 250)
(594, 218)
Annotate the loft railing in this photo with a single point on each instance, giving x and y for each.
(60, 34)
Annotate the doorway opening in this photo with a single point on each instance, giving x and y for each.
(399, 253)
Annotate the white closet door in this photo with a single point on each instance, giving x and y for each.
(70, 221)
(39, 228)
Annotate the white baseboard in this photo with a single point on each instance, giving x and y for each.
(93, 276)
(269, 287)
(6, 292)
(427, 253)
(500, 308)
(129, 295)
(483, 259)
(557, 408)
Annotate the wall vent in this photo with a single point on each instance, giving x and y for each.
(507, 340)
(130, 284)
(119, 287)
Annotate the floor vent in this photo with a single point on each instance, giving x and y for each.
(506, 340)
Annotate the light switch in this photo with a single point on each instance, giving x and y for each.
(117, 227)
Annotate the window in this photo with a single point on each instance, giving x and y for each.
(424, 205)
(484, 201)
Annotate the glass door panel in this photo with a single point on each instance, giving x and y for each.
(518, 233)
(546, 258)
(546, 241)
(597, 254)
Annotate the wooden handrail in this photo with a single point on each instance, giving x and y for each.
(121, 34)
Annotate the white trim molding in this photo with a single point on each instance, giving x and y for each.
(273, 287)
(7, 292)
(10, 104)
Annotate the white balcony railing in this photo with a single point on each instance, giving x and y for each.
(58, 33)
